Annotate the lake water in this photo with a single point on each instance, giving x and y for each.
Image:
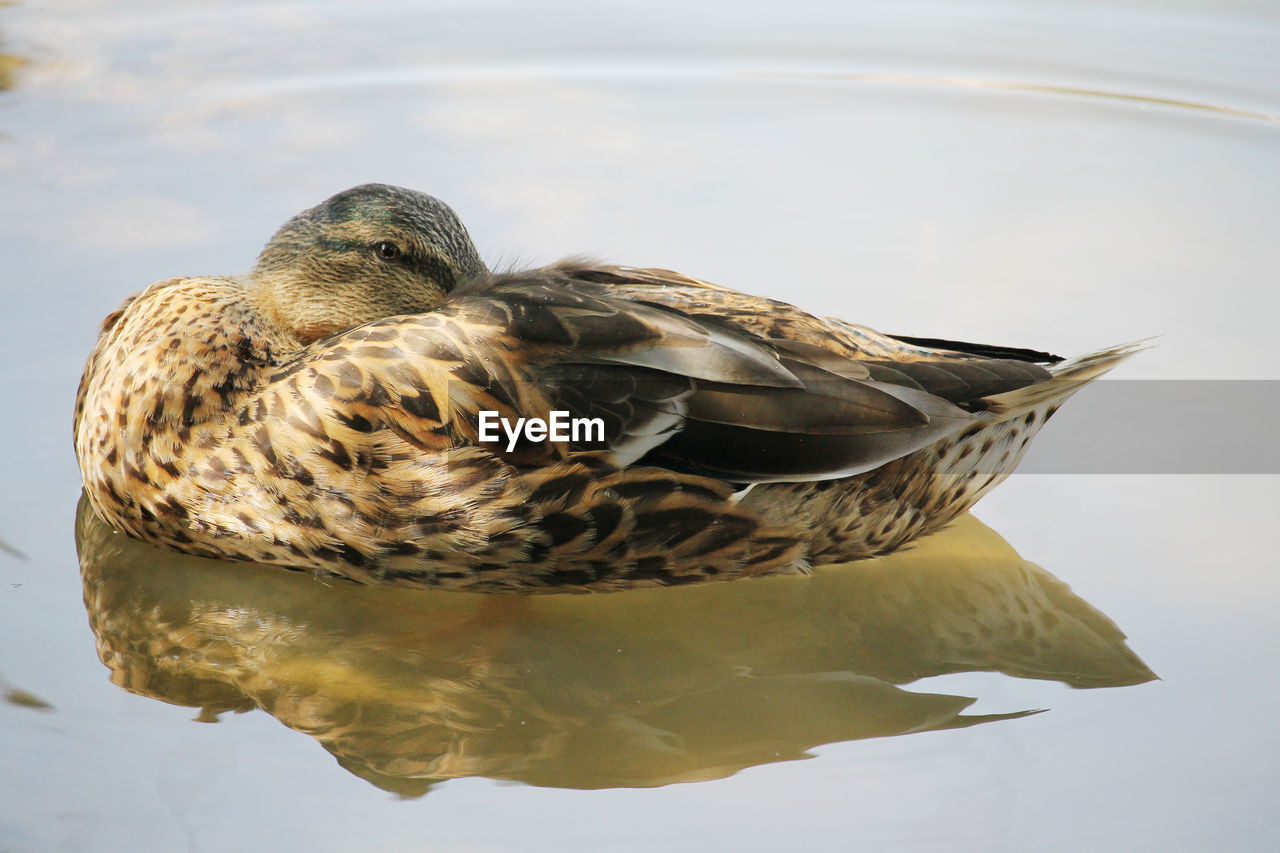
(1056, 175)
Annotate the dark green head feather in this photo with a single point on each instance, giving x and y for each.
(368, 252)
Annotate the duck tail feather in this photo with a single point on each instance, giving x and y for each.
(1069, 376)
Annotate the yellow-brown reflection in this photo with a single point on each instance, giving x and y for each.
(641, 688)
(9, 63)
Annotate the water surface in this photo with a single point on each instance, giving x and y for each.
(1058, 175)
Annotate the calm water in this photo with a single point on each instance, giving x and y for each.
(1061, 175)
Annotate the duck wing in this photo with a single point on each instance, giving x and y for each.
(682, 389)
(959, 372)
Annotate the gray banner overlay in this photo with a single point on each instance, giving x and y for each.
(1162, 427)
(1106, 427)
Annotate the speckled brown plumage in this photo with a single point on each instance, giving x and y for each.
(322, 412)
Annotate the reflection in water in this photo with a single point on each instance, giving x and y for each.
(409, 687)
(9, 63)
(22, 698)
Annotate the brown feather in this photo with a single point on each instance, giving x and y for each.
(323, 412)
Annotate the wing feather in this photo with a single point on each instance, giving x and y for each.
(681, 375)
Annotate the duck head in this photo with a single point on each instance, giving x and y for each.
(369, 252)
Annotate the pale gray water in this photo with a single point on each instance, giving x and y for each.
(1058, 175)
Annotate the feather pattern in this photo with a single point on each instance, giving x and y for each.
(333, 409)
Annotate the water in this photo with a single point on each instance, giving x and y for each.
(1063, 175)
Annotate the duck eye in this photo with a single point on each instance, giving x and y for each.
(387, 250)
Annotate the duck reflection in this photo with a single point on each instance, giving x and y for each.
(10, 63)
(406, 687)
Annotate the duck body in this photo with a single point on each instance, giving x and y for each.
(334, 410)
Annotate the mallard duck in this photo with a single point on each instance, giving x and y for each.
(371, 402)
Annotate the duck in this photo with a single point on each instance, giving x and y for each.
(372, 402)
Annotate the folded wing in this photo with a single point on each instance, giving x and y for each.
(684, 376)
